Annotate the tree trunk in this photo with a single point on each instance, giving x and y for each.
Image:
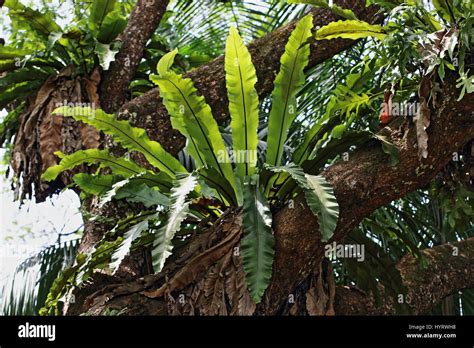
(362, 184)
(207, 278)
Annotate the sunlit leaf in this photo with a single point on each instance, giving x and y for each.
(350, 29)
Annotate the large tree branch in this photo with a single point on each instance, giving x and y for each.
(147, 111)
(141, 25)
(361, 185)
(450, 268)
(364, 183)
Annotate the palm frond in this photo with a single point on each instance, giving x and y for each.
(24, 292)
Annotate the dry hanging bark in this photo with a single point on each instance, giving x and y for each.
(89, 135)
(41, 133)
(143, 20)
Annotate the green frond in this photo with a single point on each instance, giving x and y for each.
(257, 245)
(350, 29)
(192, 116)
(319, 196)
(243, 103)
(178, 210)
(119, 166)
(288, 82)
(128, 238)
(131, 138)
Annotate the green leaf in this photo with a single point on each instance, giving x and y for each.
(257, 245)
(18, 92)
(295, 171)
(124, 248)
(106, 53)
(319, 196)
(164, 64)
(142, 193)
(146, 188)
(288, 82)
(41, 23)
(114, 23)
(131, 138)
(97, 258)
(338, 131)
(343, 12)
(389, 149)
(222, 187)
(323, 204)
(333, 147)
(192, 116)
(243, 103)
(53, 37)
(179, 208)
(312, 137)
(344, 100)
(135, 192)
(11, 52)
(446, 10)
(7, 65)
(95, 185)
(160, 180)
(119, 166)
(350, 29)
(466, 83)
(99, 11)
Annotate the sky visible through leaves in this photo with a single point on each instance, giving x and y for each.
(26, 229)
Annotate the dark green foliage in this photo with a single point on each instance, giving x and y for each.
(25, 291)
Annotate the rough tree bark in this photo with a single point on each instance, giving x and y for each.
(450, 268)
(367, 181)
(141, 25)
(362, 184)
